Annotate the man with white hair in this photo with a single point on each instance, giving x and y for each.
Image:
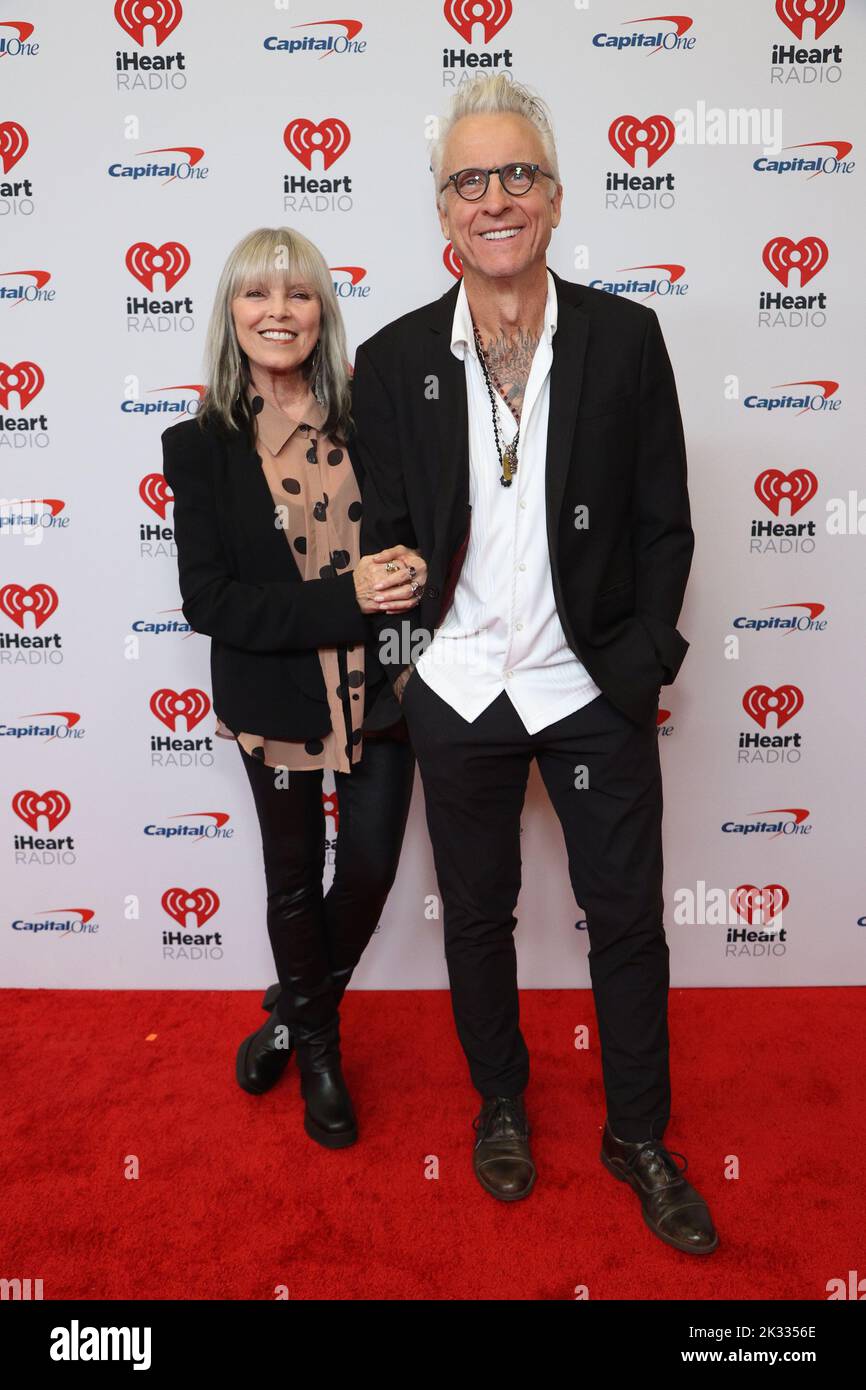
(545, 414)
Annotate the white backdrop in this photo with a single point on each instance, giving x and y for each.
(100, 352)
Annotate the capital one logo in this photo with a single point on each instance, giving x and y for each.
(135, 16)
(14, 142)
(671, 270)
(655, 135)
(26, 379)
(330, 138)
(781, 255)
(794, 14)
(345, 288)
(171, 705)
(463, 15)
(52, 807)
(182, 903)
(155, 493)
(797, 487)
(758, 906)
(760, 701)
(144, 261)
(40, 601)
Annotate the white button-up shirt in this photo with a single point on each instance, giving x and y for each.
(502, 631)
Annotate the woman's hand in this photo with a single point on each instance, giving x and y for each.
(379, 590)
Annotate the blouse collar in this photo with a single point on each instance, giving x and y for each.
(275, 426)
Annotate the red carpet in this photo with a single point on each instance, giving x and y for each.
(234, 1200)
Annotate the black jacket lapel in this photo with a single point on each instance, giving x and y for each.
(566, 380)
(446, 374)
(250, 501)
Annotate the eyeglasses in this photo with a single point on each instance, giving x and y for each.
(516, 179)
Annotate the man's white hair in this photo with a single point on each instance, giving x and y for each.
(495, 94)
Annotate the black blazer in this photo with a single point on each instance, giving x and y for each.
(241, 586)
(615, 446)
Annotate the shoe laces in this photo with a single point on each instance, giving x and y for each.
(501, 1117)
(663, 1155)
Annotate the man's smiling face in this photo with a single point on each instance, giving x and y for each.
(500, 235)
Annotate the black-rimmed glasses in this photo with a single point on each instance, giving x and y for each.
(516, 179)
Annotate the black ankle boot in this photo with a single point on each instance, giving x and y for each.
(340, 978)
(263, 1056)
(329, 1116)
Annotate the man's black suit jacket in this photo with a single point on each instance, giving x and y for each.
(240, 585)
(615, 446)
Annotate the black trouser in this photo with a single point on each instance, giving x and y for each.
(317, 939)
(474, 777)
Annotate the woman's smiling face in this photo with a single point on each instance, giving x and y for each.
(277, 324)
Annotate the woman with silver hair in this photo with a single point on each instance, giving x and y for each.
(267, 509)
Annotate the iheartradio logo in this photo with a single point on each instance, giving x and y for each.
(14, 143)
(144, 261)
(39, 601)
(137, 16)
(781, 256)
(759, 906)
(760, 702)
(181, 904)
(452, 261)
(24, 379)
(797, 488)
(171, 705)
(463, 15)
(155, 493)
(331, 807)
(655, 136)
(32, 807)
(303, 138)
(822, 13)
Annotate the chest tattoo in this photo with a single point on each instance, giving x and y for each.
(510, 359)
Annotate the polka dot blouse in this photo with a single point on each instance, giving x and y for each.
(318, 506)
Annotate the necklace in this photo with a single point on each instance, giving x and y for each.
(508, 455)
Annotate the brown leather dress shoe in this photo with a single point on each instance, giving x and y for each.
(501, 1159)
(672, 1209)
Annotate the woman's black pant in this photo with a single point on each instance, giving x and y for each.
(317, 939)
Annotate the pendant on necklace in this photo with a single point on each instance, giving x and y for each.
(509, 465)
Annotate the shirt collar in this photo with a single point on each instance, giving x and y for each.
(462, 335)
(275, 426)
